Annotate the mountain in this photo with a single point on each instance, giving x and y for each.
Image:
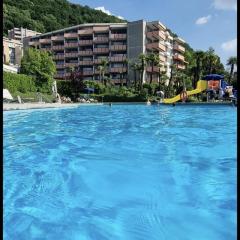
(49, 15)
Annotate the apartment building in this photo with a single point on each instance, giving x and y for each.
(12, 51)
(21, 33)
(83, 47)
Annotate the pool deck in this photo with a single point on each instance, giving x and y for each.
(25, 106)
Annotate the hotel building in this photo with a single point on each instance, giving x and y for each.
(83, 47)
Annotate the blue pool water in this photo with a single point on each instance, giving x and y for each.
(124, 172)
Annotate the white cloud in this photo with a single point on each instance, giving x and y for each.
(225, 4)
(203, 20)
(230, 46)
(103, 9)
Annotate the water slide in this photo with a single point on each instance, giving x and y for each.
(201, 86)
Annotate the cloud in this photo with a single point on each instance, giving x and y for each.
(225, 4)
(230, 46)
(103, 9)
(203, 20)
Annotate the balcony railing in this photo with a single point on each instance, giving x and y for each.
(70, 35)
(62, 65)
(96, 71)
(58, 56)
(71, 45)
(59, 75)
(155, 69)
(101, 39)
(87, 73)
(35, 43)
(57, 38)
(179, 48)
(45, 40)
(58, 47)
(156, 46)
(46, 48)
(73, 54)
(156, 35)
(101, 50)
(87, 31)
(101, 29)
(117, 81)
(86, 53)
(118, 69)
(118, 59)
(178, 57)
(118, 36)
(86, 62)
(99, 60)
(118, 47)
(75, 64)
(85, 42)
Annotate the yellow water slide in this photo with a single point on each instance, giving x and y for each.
(201, 86)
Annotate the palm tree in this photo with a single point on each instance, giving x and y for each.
(232, 61)
(159, 74)
(125, 65)
(135, 67)
(211, 60)
(153, 59)
(103, 68)
(142, 59)
(100, 70)
(199, 56)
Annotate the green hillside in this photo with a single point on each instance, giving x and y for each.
(49, 15)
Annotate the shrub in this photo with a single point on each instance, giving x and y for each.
(18, 82)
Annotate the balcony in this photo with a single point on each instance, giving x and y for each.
(75, 64)
(98, 61)
(156, 35)
(86, 53)
(60, 66)
(70, 35)
(118, 81)
(58, 47)
(35, 43)
(118, 59)
(87, 73)
(46, 48)
(101, 40)
(179, 48)
(88, 31)
(162, 58)
(86, 62)
(118, 36)
(156, 45)
(179, 57)
(46, 40)
(96, 71)
(73, 54)
(59, 76)
(118, 48)
(155, 69)
(101, 29)
(58, 57)
(180, 66)
(101, 50)
(71, 45)
(85, 42)
(118, 69)
(57, 38)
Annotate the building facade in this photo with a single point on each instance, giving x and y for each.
(20, 33)
(12, 51)
(84, 46)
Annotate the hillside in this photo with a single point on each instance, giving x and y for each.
(48, 15)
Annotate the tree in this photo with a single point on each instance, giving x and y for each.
(232, 61)
(135, 67)
(152, 59)
(142, 59)
(102, 69)
(199, 56)
(40, 65)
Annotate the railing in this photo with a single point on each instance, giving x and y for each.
(85, 31)
(178, 57)
(57, 38)
(58, 56)
(118, 59)
(86, 53)
(118, 47)
(99, 60)
(155, 69)
(72, 44)
(86, 73)
(156, 34)
(156, 45)
(85, 42)
(73, 54)
(70, 35)
(180, 66)
(118, 36)
(58, 47)
(118, 69)
(101, 39)
(45, 40)
(62, 65)
(101, 29)
(101, 50)
(178, 48)
(75, 64)
(86, 62)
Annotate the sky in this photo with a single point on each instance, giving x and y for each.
(201, 23)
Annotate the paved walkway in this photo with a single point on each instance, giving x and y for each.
(24, 106)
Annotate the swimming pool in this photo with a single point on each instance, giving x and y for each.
(122, 172)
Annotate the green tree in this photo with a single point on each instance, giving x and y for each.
(40, 65)
(102, 70)
(153, 59)
(142, 58)
(232, 61)
(135, 67)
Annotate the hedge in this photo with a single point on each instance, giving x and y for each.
(18, 83)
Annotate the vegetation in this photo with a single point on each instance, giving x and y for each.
(232, 61)
(48, 15)
(39, 65)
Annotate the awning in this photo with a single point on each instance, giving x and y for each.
(213, 77)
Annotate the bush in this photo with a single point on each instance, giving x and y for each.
(18, 82)
(64, 88)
